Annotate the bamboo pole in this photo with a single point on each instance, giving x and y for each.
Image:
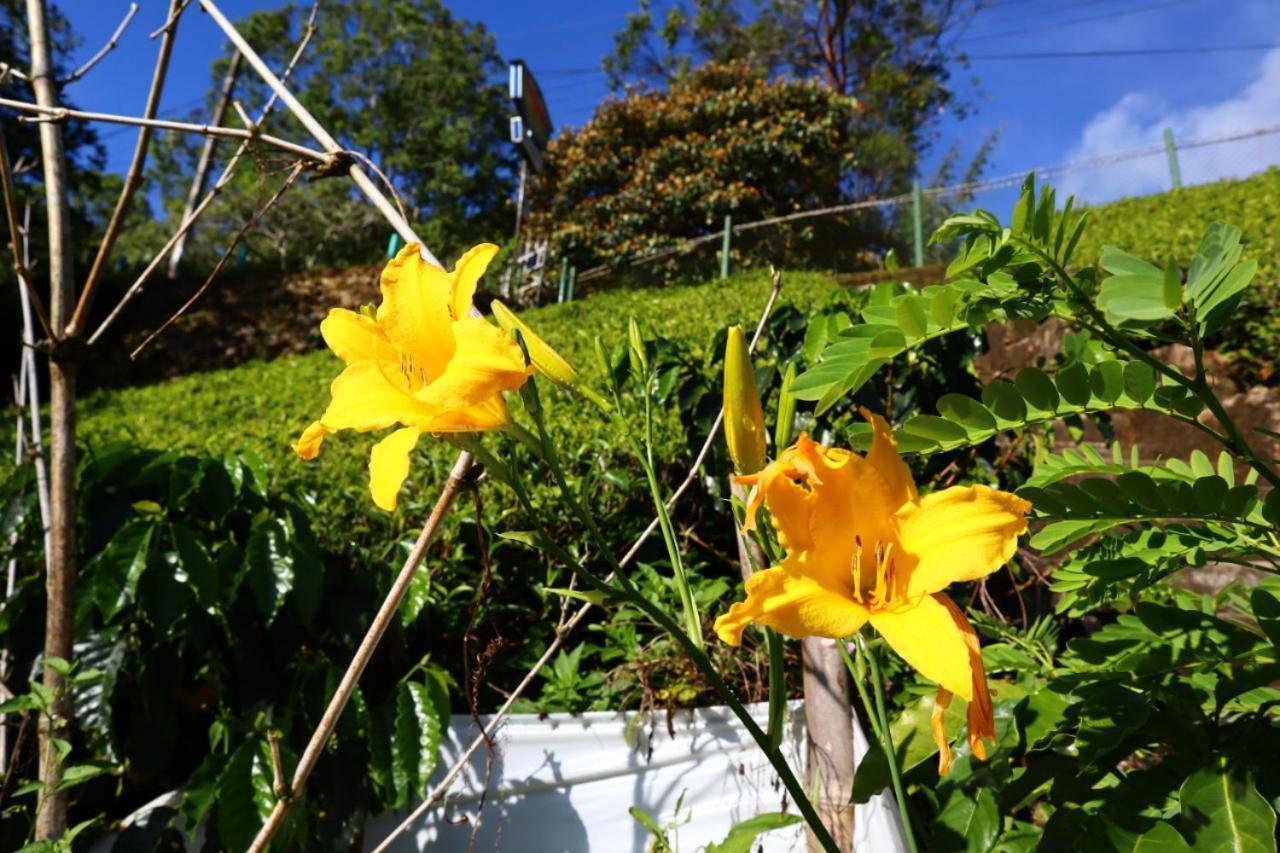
(386, 613)
(132, 178)
(51, 809)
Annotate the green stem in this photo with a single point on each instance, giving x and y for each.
(895, 773)
(777, 687)
(858, 684)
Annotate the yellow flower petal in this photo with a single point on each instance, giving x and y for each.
(466, 275)
(888, 464)
(958, 534)
(487, 415)
(938, 728)
(927, 637)
(368, 395)
(356, 337)
(786, 599)
(389, 466)
(308, 444)
(981, 716)
(485, 363)
(414, 314)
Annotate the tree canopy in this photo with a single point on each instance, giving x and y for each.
(891, 55)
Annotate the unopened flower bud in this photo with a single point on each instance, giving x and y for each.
(743, 415)
(544, 358)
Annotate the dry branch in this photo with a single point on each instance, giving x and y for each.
(317, 130)
(132, 179)
(208, 282)
(106, 48)
(51, 809)
(188, 221)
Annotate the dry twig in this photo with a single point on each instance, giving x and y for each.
(106, 48)
(208, 282)
(223, 179)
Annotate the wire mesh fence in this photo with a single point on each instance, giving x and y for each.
(1141, 170)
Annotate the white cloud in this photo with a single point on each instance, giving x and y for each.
(1138, 120)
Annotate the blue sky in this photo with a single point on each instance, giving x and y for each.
(1048, 110)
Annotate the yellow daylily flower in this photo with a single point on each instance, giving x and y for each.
(421, 361)
(862, 546)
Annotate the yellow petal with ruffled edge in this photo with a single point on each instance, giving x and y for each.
(389, 466)
(485, 363)
(367, 396)
(466, 276)
(959, 534)
(356, 337)
(793, 603)
(927, 638)
(414, 314)
(887, 462)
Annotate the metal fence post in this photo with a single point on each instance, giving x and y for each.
(573, 281)
(393, 245)
(917, 223)
(1175, 173)
(564, 280)
(724, 245)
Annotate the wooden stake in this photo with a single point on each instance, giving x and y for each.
(51, 809)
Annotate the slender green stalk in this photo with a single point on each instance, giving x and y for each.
(693, 625)
(777, 686)
(895, 773)
(857, 676)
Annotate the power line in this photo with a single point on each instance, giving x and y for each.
(1076, 21)
(1151, 51)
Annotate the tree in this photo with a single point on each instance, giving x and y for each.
(405, 83)
(657, 166)
(889, 54)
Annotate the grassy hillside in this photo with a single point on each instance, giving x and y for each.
(261, 406)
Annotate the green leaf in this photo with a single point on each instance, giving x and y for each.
(1136, 290)
(195, 562)
(660, 844)
(967, 822)
(1161, 838)
(1001, 397)
(1222, 810)
(415, 744)
(78, 774)
(1266, 609)
(966, 411)
(1037, 389)
(270, 566)
(1073, 384)
(742, 835)
(244, 795)
(1139, 381)
(911, 317)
